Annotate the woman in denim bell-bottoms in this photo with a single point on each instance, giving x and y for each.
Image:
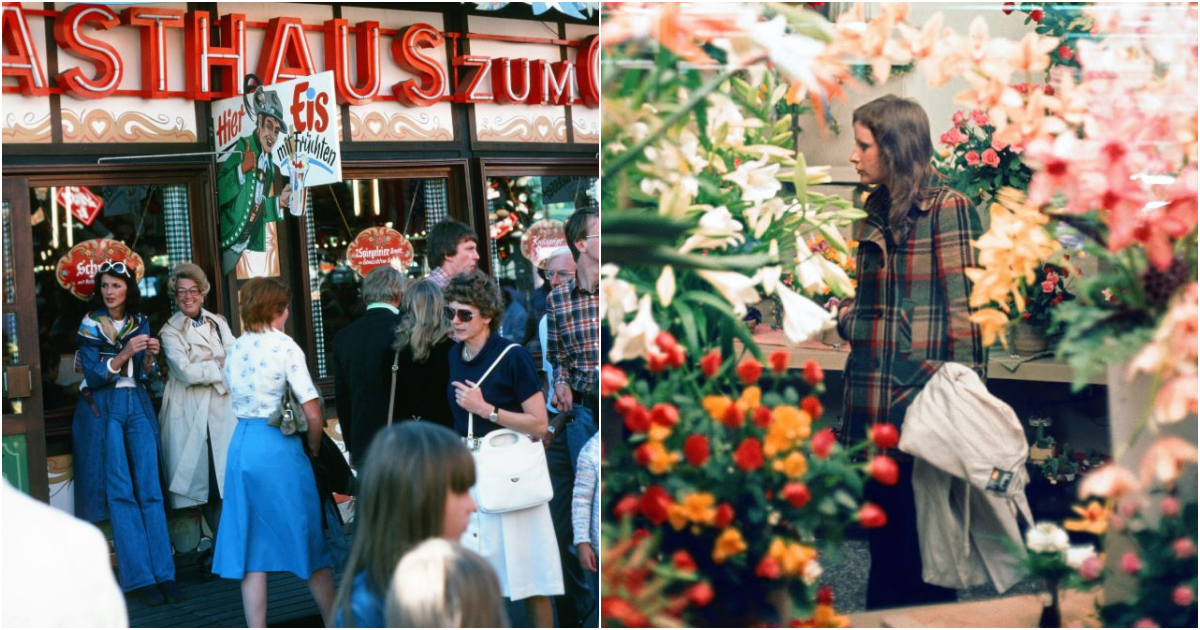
(115, 436)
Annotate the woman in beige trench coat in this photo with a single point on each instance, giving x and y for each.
(197, 412)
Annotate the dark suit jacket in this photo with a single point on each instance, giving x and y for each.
(362, 371)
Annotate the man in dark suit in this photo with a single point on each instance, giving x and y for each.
(362, 361)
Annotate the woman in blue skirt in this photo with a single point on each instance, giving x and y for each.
(271, 519)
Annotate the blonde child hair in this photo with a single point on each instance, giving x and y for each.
(441, 584)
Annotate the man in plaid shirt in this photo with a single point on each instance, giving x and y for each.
(573, 350)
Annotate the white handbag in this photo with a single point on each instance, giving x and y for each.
(510, 469)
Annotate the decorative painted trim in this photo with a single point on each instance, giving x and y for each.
(585, 133)
(29, 129)
(522, 129)
(380, 127)
(101, 126)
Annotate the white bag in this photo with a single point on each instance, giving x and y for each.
(510, 469)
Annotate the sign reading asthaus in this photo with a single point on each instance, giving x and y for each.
(79, 31)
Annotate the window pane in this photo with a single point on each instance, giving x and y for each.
(340, 212)
(515, 204)
(153, 221)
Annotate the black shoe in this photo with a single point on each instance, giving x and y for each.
(147, 595)
(171, 591)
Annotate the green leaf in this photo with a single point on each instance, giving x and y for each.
(690, 331)
(800, 179)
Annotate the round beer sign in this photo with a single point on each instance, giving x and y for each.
(541, 239)
(376, 247)
(76, 270)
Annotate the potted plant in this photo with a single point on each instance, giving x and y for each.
(1043, 447)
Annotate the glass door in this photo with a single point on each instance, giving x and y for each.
(24, 440)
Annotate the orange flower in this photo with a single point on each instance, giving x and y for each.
(1094, 518)
(730, 543)
(716, 406)
(794, 465)
(698, 508)
(788, 426)
(655, 457)
(792, 557)
(751, 396)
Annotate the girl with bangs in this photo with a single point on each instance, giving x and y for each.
(415, 485)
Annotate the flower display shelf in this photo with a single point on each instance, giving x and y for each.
(1018, 611)
(831, 358)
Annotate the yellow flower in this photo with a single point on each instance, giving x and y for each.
(794, 465)
(1094, 518)
(788, 426)
(751, 396)
(716, 406)
(991, 323)
(730, 543)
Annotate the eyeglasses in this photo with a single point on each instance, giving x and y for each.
(592, 236)
(194, 292)
(118, 267)
(560, 274)
(464, 315)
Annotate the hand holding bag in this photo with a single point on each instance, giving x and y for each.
(510, 469)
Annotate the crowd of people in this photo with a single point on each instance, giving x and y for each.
(424, 368)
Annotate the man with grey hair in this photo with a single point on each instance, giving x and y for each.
(362, 361)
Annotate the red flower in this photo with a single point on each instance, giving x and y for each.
(812, 406)
(655, 504)
(884, 470)
(1026, 315)
(778, 361)
(768, 569)
(822, 442)
(871, 516)
(1009, 7)
(665, 341)
(627, 506)
(1036, 15)
(623, 612)
(762, 417)
(683, 561)
(796, 493)
(676, 357)
(612, 380)
(700, 594)
(734, 418)
(642, 455)
(637, 420)
(825, 593)
(749, 370)
(711, 363)
(724, 516)
(625, 404)
(696, 449)
(664, 414)
(749, 455)
(813, 372)
(656, 361)
(884, 435)
(1065, 53)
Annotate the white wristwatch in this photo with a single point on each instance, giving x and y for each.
(494, 417)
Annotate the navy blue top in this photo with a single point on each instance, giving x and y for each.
(513, 381)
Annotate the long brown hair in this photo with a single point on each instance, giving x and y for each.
(901, 130)
(410, 469)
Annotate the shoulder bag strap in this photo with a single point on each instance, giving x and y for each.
(471, 416)
(392, 396)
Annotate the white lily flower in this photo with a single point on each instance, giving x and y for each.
(736, 288)
(809, 272)
(769, 276)
(759, 218)
(636, 339)
(1046, 537)
(803, 318)
(792, 54)
(617, 297)
(665, 287)
(835, 277)
(756, 179)
(726, 125)
(1077, 554)
(717, 229)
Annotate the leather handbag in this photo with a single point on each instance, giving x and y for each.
(290, 418)
(510, 469)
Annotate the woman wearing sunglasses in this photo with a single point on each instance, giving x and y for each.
(197, 412)
(520, 545)
(115, 436)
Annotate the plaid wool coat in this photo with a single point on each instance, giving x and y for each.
(911, 312)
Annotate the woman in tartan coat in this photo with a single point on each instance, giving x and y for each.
(910, 315)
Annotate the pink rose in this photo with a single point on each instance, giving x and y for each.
(972, 158)
(1131, 563)
(1183, 596)
(954, 137)
(1016, 149)
(1146, 622)
(1047, 287)
(1184, 548)
(1052, 277)
(1170, 507)
(957, 118)
(1091, 568)
(1128, 509)
(979, 117)
(997, 145)
(990, 158)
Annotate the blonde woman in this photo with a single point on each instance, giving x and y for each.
(443, 585)
(423, 339)
(197, 412)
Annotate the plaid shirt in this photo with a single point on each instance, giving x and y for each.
(573, 336)
(439, 277)
(911, 312)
